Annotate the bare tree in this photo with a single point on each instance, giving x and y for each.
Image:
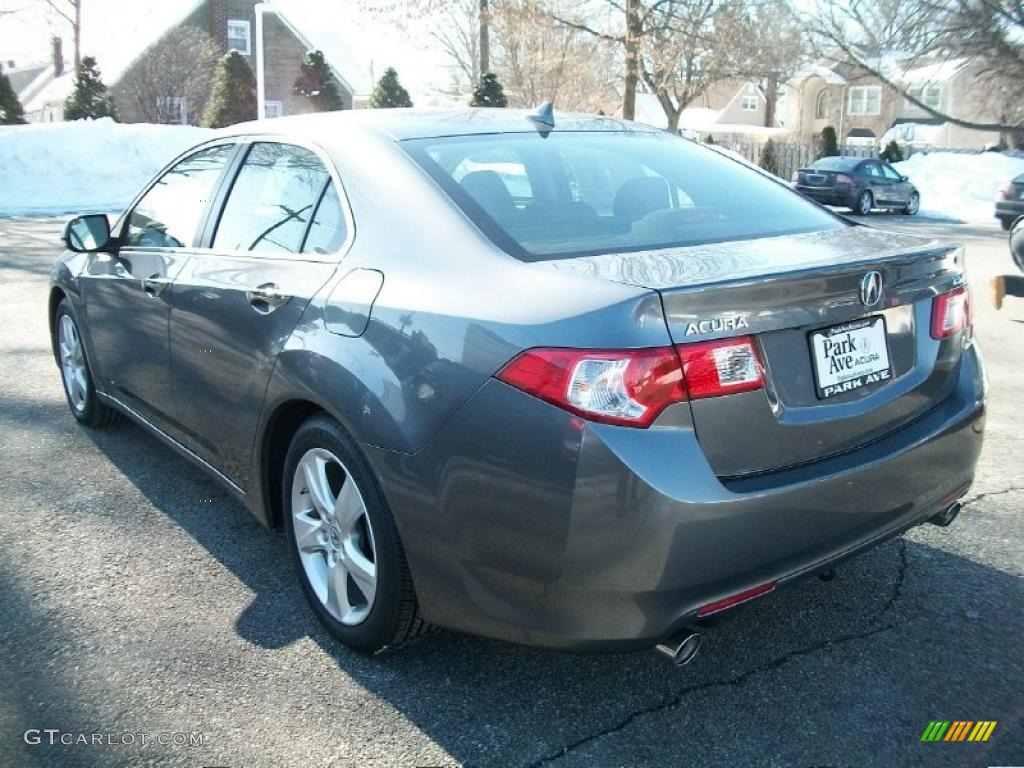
(539, 60)
(172, 75)
(988, 34)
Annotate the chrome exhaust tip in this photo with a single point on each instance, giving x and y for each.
(681, 647)
(946, 516)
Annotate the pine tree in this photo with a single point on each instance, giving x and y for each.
(316, 83)
(767, 159)
(892, 152)
(709, 139)
(233, 97)
(829, 144)
(489, 93)
(91, 99)
(11, 112)
(389, 92)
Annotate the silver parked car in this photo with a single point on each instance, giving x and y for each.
(560, 380)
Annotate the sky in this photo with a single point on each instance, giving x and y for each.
(359, 42)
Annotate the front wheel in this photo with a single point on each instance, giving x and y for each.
(865, 202)
(913, 205)
(344, 542)
(75, 374)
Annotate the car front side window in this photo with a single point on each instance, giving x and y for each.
(168, 215)
(272, 200)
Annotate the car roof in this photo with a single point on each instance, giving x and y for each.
(402, 124)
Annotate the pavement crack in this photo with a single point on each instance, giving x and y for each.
(736, 681)
(991, 494)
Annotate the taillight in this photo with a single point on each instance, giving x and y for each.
(630, 387)
(951, 313)
(627, 387)
(842, 178)
(713, 368)
(1006, 192)
(795, 177)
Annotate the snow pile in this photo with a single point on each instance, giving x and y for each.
(85, 166)
(960, 186)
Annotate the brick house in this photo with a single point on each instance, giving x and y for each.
(232, 24)
(863, 108)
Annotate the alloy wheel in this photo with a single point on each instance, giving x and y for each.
(913, 205)
(72, 363)
(334, 536)
(864, 204)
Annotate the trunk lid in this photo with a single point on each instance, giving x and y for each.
(812, 177)
(783, 291)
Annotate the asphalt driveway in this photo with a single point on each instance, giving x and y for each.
(138, 599)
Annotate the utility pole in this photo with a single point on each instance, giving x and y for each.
(485, 37)
(261, 64)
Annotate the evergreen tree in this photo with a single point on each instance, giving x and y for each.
(11, 112)
(767, 159)
(316, 83)
(389, 92)
(892, 152)
(233, 98)
(489, 93)
(91, 99)
(829, 144)
(709, 139)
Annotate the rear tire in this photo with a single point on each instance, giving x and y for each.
(865, 202)
(1005, 223)
(344, 543)
(76, 375)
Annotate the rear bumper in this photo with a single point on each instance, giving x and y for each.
(524, 523)
(1009, 210)
(842, 194)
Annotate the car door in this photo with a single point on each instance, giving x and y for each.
(881, 187)
(275, 243)
(126, 293)
(899, 188)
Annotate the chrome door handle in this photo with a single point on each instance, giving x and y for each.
(153, 286)
(266, 298)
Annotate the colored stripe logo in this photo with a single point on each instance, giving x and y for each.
(958, 730)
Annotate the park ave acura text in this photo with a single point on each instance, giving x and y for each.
(560, 380)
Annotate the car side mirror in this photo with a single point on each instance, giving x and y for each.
(903, 178)
(88, 234)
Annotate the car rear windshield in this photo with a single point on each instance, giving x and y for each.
(836, 163)
(583, 193)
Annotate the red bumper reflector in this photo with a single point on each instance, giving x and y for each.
(739, 597)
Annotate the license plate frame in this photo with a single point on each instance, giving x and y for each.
(848, 370)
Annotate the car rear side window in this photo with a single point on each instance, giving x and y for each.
(272, 200)
(168, 214)
(582, 193)
(328, 231)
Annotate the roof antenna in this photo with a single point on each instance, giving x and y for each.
(544, 118)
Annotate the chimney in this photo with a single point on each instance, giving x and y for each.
(58, 57)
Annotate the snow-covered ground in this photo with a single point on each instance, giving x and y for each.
(960, 186)
(84, 166)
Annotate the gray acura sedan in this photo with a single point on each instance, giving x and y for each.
(560, 380)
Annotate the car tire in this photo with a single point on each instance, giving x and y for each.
(1006, 223)
(76, 375)
(913, 205)
(864, 203)
(344, 543)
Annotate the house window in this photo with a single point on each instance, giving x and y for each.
(749, 103)
(174, 109)
(239, 36)
(930, 95)
(272, 109)
(822, 104)
(866, 100)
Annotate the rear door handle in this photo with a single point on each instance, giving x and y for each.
(154, 285)
(266, 298)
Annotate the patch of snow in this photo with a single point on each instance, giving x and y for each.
(960, 186)
(85, 166)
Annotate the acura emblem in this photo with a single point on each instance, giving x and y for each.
(871, 288)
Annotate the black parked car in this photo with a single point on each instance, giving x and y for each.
(1010, 205)
(858, 184)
